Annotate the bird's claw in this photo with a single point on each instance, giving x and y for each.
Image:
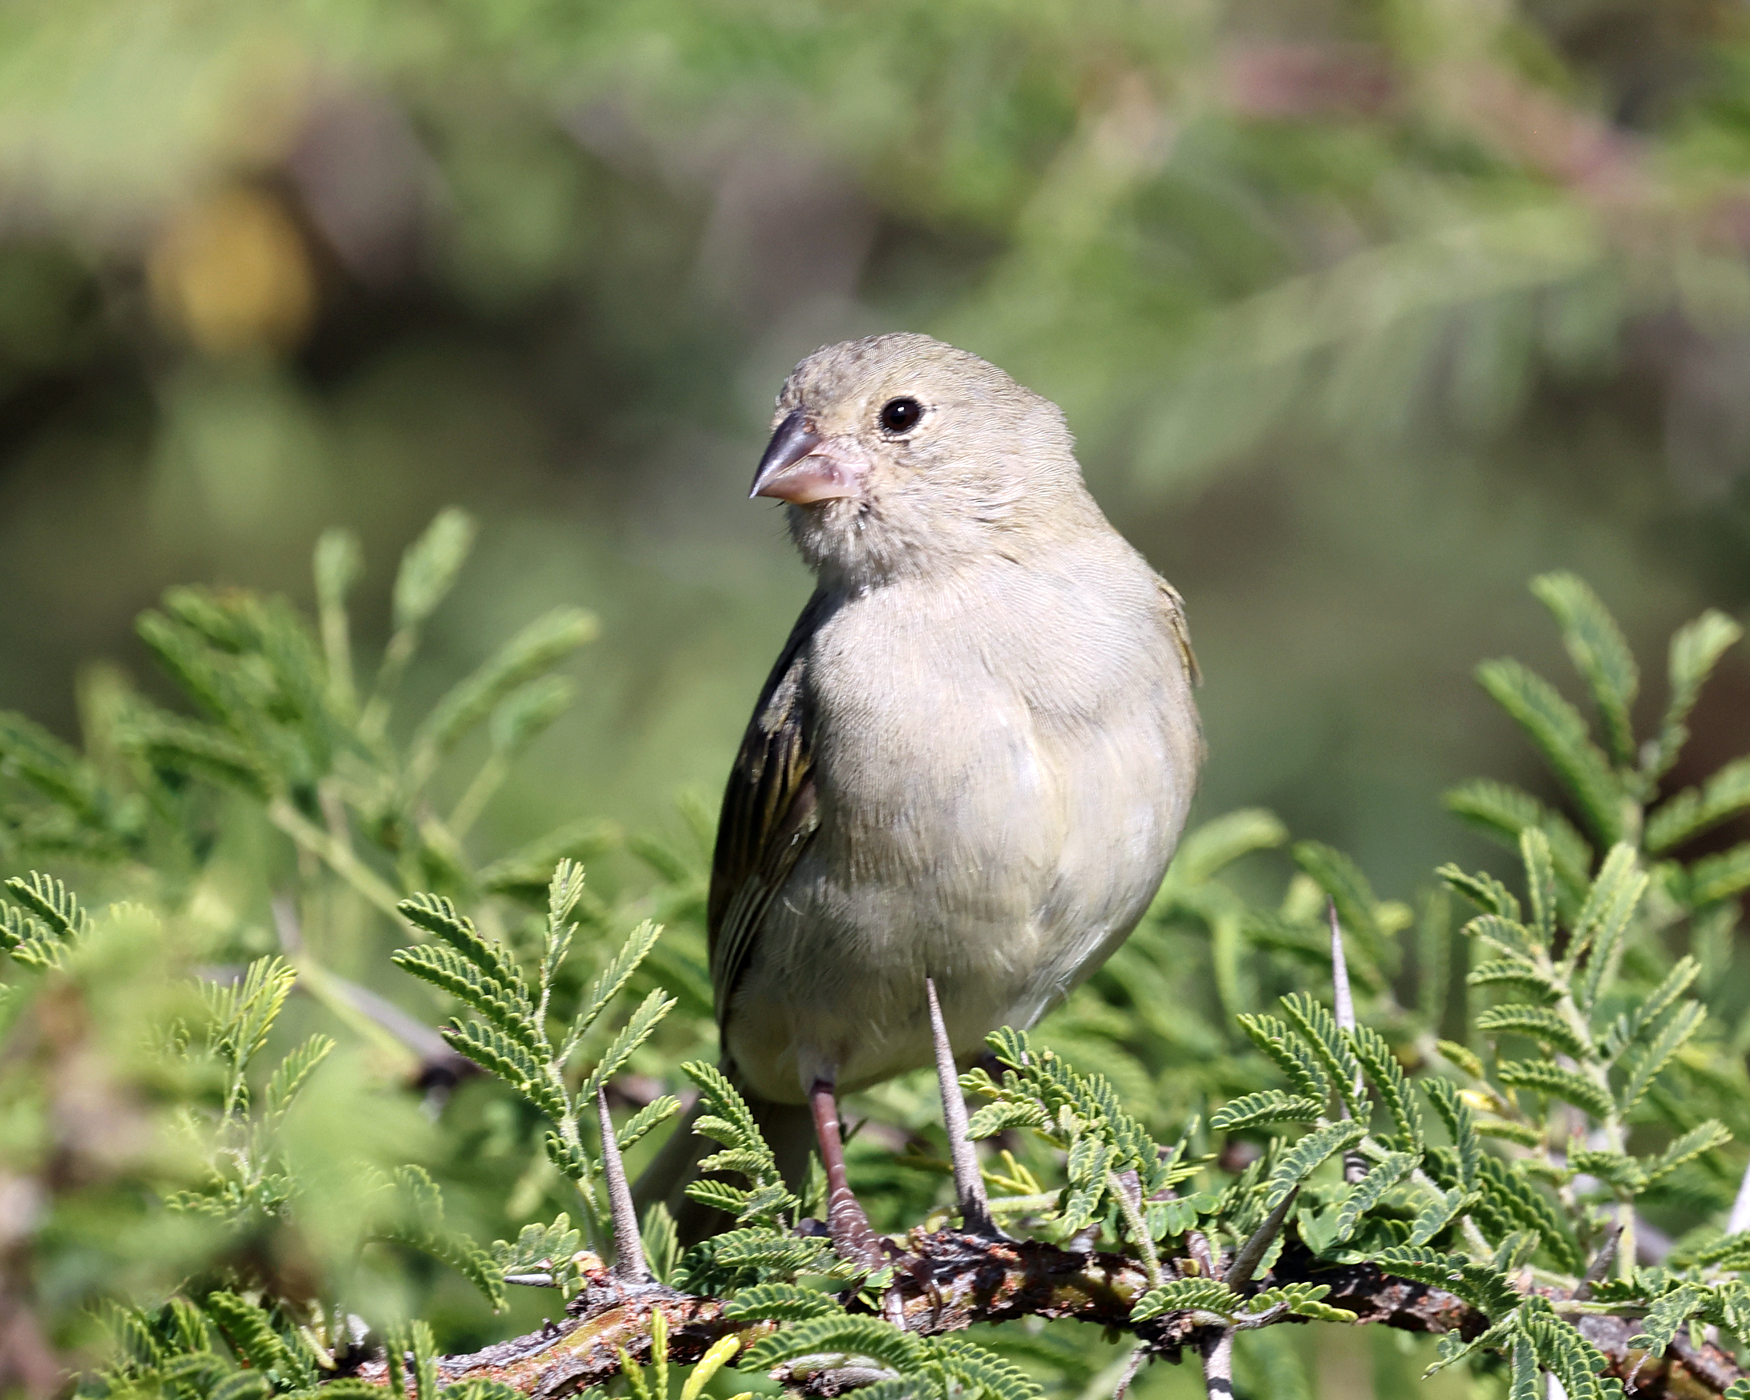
(853, 1237)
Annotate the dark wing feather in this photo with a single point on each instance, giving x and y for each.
(1175, 610)
(768, 811)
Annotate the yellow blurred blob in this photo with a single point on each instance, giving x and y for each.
(231, 273)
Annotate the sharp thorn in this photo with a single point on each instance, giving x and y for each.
(1245, 1263)
(629, 1262)
(975, 1216)
(1739, 1220)
(1601, 1262)
(1354, 1164)
(1345, 1001)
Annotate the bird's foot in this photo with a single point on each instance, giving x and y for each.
(975, 1216)
(846, 1222)
(853, 1237)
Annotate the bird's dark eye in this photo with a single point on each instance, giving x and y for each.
(900, 415)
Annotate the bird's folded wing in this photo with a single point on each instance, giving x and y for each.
(768, 812)
(1174, 607)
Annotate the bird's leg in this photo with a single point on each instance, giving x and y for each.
(968, 1180)
(846, 1222)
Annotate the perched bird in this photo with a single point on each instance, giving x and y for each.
(973, 757)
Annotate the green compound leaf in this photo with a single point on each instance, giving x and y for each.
(1561, 735)
(1290, 1054)
(512, 1013)
(1565, 1354)
(535, 649)
(1299, 1160)
(252, 1335)
(1527, 1376)
(1436, 1214)
(1482, 890)
(727, 1120)
(869, 1337)
(981, 1371)
(430, 565)
(653, 1115)
(1615, 1168)
(1000, 1117)
(1187, 1295)
(1674, 1035)
(538, 1248)
(1270, 1106)
(1371, 1190)
(1596, 646)
(1540, 880)
(421, 1226)
(1505, 812)
(479, 1388)
(1702, 1138)
(1482, 1287)
(292, 1073)
(613, 977)
(1515, 1200)
(1341, 878)
(1696, 649)
(1209, 849)
(781, 1302)
(761, 1249)
(639, 1027)
(1300, 1299)
(1513, 971)
(1635, 1026)
(1557, 1083)
(439, 917)
(493, 1051)
(1538, 1023)
(1319, 1027)
(1387, 1077)
(1461, 1127)
(1698, 809)
(1714, 878)
(1609, 905)
(30, 941)
(719, 1195)
(50, 901)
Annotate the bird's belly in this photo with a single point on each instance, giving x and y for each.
(1004, 873)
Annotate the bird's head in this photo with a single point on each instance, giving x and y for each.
(898, 454)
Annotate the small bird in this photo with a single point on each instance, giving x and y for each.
(970, 764)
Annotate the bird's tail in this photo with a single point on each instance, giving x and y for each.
(787, 1128)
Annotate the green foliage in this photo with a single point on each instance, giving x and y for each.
(509, 1038)
(1591, 1085)
(1584, 983)
(935, 1367)
(725, 1119)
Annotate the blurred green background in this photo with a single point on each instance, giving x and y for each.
(1362, 313)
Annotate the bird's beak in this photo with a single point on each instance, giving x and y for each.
(795, 469)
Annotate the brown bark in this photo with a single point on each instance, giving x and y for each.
(950, 1281)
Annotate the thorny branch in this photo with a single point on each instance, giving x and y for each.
(949, 1281)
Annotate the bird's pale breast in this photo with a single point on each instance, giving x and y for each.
(1004, 846)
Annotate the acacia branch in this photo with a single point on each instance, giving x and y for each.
(949, 1281)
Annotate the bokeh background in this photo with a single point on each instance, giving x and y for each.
(1363, 313)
